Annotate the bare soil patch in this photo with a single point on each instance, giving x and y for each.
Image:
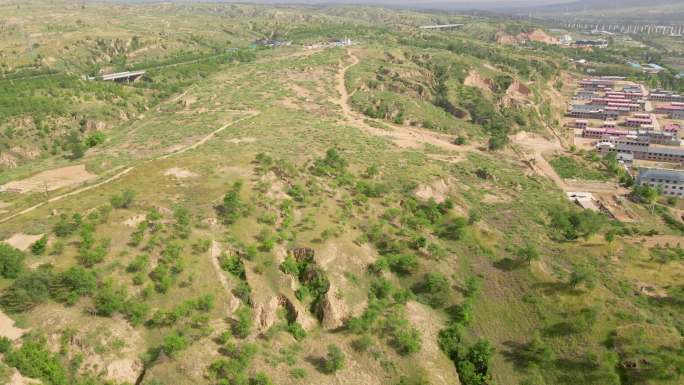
(241, 140)
(22, 241)
(435, 363)
(134, 221)
(7, 328)
(50, 180)
(18, 379)
(179, 173)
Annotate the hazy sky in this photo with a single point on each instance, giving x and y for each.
(460, 4)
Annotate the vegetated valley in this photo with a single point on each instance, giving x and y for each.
(316, 195)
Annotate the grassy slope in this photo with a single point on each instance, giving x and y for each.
(515, 300)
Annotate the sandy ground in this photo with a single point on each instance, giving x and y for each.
(50, 180)
(22, 241)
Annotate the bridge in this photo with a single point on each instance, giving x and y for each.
(120, 77)
(441, 26)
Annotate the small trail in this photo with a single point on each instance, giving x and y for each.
(406, 137)
(118, 175)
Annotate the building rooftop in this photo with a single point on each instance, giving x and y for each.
(661, 174)
(655, 150)
(585, 108)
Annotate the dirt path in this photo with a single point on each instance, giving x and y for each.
(402, 136)
(534, 147)
(129, 169)
(58, 197)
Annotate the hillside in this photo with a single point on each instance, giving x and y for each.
(378, 210)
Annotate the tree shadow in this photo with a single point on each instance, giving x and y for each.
(560, 329)
(516, 354)
(317, 362)
(508, 264)
(552, 288)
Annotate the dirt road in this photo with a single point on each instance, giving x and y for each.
(402, 136)
(129, 169)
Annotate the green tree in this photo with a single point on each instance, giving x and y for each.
(73, 142)
(95, 139)
(38, 247)
(334, 360)
(11, 261)
(123, 200)
(582, 275)
(174, 342)
(528, 253)
(232, 207)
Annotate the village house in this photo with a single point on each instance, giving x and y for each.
(665, 96)
(656, 154)
(587, 111)
(586, 94)
(581, 123)
(670, 182)
(673, 110)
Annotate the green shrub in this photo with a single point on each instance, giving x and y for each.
(123, 200)
(243, 324)
(433, 290)
(174, 342)
(33, 359)
(11, 261)
(297, 331)
(94, 139)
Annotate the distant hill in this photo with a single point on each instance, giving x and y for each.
(653, 11)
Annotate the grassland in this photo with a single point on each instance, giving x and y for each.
(196, 272)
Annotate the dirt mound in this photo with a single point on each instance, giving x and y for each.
(537, 36)
(333, 309)
(516, 94)
(437, 190)
(474, 79)
(119, 362)
(22, 241)
(542, 37)
(517, 87)
(50, 180)
(503, 38)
